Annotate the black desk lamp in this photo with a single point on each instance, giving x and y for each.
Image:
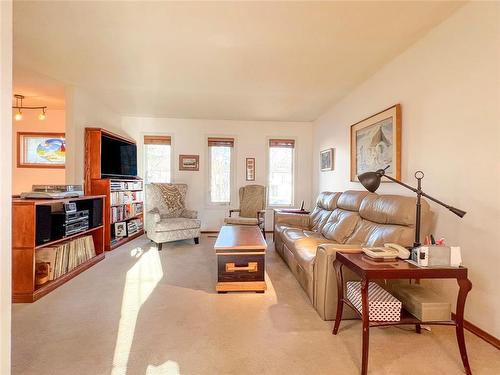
(371, 182)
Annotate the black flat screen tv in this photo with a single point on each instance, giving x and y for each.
(118, 158)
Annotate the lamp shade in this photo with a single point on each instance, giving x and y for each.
(370, 180)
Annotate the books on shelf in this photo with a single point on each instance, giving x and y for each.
(125, 185)
(66, 256)
(120, 213)
(125, 197)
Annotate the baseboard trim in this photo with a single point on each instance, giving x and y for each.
(490, 339)
(216, 231)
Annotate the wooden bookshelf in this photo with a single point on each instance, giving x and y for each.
(95, 184)
(24, 245)
(103, 187)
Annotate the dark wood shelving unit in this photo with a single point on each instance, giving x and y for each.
(95, 184)
(24, 247)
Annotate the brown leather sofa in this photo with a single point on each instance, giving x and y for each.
(341, 221)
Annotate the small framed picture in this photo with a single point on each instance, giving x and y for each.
(250, 168)
(121, 229)
(189, 162)
(326, 159)
(41, 150)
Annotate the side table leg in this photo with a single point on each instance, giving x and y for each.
(465, 286)
(366, 325)
(340, 296)
(418, 329)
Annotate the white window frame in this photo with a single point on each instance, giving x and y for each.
(232, 179)
(268, 172)
(143, 154)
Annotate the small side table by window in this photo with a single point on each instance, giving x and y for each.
(368, 270)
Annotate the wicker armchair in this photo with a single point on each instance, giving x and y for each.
(252, 208)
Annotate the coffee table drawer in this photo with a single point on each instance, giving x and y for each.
(240, 267)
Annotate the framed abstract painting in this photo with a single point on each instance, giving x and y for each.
(376, 143)
(41, 150)
(326, 160)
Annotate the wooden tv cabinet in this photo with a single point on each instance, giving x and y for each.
(96, 183)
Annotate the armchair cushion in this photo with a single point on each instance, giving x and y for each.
(241, 220)
(189, 214)
(169, 199)
(252, 200)
(168, 224)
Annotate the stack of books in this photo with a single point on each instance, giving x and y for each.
(120, 213)
(66, 256)
(134, 226)
(124, 197)
(125, 185)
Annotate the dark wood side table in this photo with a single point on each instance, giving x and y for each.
(368, 269)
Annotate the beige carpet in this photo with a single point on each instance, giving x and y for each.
(141, 311)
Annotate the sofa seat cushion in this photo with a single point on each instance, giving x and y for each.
(241, 220)
(177, 223)
(292, 235)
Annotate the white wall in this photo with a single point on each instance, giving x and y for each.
(189, 136)
(5, 181)
(448, 86)
(83, 110)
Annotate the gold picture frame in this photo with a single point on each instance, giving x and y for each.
(250, 169)
(189, 162)
(376, 143)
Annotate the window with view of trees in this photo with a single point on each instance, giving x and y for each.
(281, 158)
(157, 159)
(220, 155)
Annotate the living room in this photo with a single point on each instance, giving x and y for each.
(222, 108)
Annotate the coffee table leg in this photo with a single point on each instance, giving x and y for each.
(366, 325)
(340, 296)
(465, 286)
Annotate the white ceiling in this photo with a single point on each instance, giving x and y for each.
(219, 60)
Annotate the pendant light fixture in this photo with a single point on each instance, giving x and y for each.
(19, 106)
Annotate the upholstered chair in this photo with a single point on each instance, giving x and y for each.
(252, 209)
(167, 218)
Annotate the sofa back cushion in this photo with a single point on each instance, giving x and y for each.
(351, 199)
(387, 218)
(325, 204)
(340, 225)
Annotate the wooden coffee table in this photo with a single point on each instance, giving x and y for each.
(241, 252)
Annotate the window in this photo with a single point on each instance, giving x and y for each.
(281, 172)
(157, 158)
(220, 155)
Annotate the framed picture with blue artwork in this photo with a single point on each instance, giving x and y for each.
(41, 150)
(376, 144)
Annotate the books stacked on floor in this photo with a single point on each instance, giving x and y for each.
(66, 256)
(124, 197)
(120, 213)
(134, 226)
(125, 185)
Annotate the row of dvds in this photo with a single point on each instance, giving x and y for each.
(125, 185)
(120, 213)
(125, 197)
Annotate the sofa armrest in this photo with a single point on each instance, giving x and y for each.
(325, 280)
(189, 214)
(292, 219)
